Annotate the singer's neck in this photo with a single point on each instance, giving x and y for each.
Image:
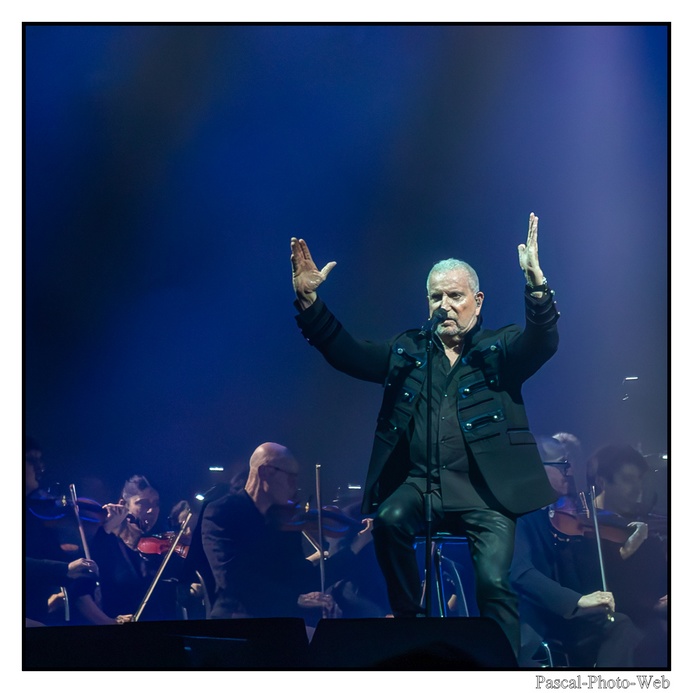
(452, 346)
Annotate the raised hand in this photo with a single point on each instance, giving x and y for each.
(528, 253)
(115, 516)
(306, 277)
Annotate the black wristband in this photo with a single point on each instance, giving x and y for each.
(543, 287)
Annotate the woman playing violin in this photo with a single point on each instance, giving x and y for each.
(127, 572)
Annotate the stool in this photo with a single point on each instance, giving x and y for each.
(439, 565)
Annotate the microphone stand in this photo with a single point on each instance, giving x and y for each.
(427, 330)
(428, 506)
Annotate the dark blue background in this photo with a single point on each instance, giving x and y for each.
(167, 167)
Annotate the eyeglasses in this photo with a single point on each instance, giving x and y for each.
(291, 475)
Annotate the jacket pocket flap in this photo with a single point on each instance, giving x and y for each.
(520, 437)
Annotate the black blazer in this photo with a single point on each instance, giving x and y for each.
(491, 411)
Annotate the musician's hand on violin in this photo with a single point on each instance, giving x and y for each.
(635, 540)
(82, 568)
(305, 275)
(115, 516)
(364, 537)
(599, 599)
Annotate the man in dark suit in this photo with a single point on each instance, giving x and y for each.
(259, 570)
(485, 469)
(556, 573)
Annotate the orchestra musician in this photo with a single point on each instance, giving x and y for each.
(556, 575)
(361, 591)
(59, 589)
(126, 571)
(486, 467)
(636, 565)
(256, 556)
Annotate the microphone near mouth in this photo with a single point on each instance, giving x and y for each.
(438, 316)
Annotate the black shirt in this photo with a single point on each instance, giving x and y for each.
(454, 474)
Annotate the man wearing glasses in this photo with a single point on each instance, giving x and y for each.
(555, 573)
(259, 566)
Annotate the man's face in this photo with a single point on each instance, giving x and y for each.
(33, 469)
(560, 476)
(144, 507)
(451, 291)
(30, 479)
(282, 480)
(623, 493)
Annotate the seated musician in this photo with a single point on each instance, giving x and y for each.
(259, 568)
(636, 564)
(360, 592)
(127, 572)
(58, 588)
(558, 583)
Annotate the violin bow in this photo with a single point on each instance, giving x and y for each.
(311, 541)
(609, 614)
(162, 567)
(80, 526)
(85, 544)
(320, 541)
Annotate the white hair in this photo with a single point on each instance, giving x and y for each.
(453, 264)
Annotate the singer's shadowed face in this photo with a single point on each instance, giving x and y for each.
(451, 291)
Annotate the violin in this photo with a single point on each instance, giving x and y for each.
(573, 523)
(567, 519)
(173, 544)
(335, 523)
(160, 544)
(50, 508)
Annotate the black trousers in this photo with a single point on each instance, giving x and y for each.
(491, 536)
